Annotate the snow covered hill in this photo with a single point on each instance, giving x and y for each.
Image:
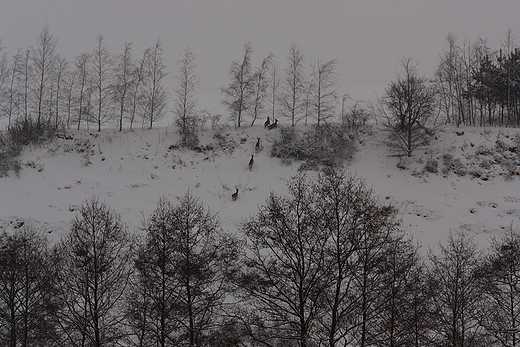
(475, 187)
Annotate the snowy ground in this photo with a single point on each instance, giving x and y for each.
(131, 170)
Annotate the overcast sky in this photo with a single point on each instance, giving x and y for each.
(367, 37)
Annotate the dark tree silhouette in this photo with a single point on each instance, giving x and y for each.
(182, 269)
(500, 276)
(406, 107)
(27, 289)
(94, 273)
(458, 296)
(359, 231)
(285, 271)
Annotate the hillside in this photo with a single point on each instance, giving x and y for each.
(475, 188)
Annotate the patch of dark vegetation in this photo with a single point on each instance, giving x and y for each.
(328, 145)
(502, 159)
(9, 153)
(26, 131)
(431, 166)
(21, 133)
(225, 142)
(203, 148)
(455, 165)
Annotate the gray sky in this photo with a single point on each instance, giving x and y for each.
(367, 37)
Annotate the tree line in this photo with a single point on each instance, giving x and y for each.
(99, 87)
(40, 88)
(294, 93)
(473, 85)
(324, 265)
(478, 85)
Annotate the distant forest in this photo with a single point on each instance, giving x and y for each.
(324, 265)
(473, 85)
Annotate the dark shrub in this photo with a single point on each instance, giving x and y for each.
(431, 166)
(327, 145)
(26, 131)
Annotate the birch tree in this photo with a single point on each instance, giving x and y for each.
(5, 76)
(102, 70)
(84, 89)
(293, 85)
(155, 96)
(274, 85)
(238, 94)
(123, 81)
(260, 85)
(185, 111)
(137, 89)
(43, 57)
(324, 93)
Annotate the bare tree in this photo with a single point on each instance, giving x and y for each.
(25, 74)
(59, 76)
(293, 87)
(102, 69)
(404, 301)
(359, 231)
(83, 72)
(5, 75)
(285, 270)
(458, 295)
(95, 271)
(324, 95)
(153, 298)
(260, 85)
(43, 58)
(184, 266)
(155, 95)
(274, 84)
(27, 289)
(447, 77)
(137, 88)
(70, 84)
(455, 80)
(407, 105)
(123, 81)
(239, 92)
(500, 275)
(185, 99)
(14, 93)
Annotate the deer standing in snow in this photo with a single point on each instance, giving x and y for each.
(274, 125)
(234, 196)
(251, 162)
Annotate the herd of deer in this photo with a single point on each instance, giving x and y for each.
(269, 126)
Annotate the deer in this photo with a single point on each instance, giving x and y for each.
(251, 162)
(234, 196)
(257, 146)
(267, 122)
(274, 125)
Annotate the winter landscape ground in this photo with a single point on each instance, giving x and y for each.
(475, 188)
